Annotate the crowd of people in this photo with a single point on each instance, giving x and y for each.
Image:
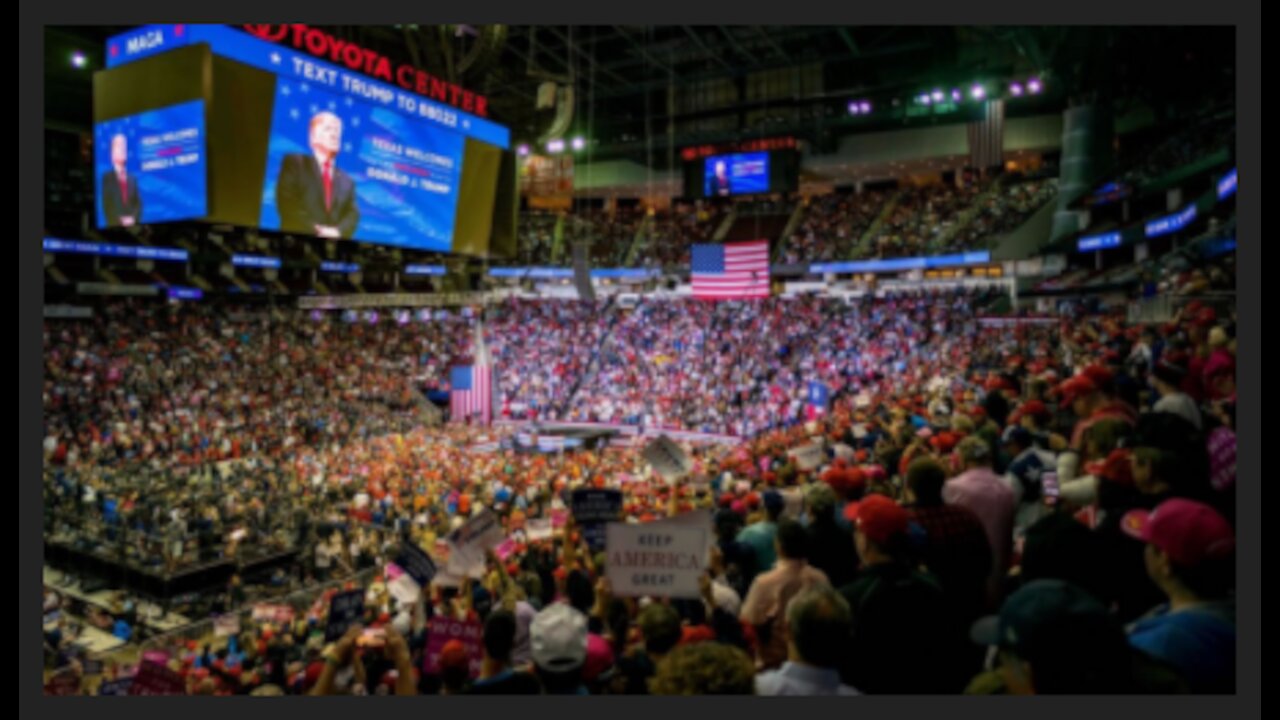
(920, 216)
(674, 232)
(833, 226)
(536, 237)
(1002, 213)
(1062, 492)
(1191, 142)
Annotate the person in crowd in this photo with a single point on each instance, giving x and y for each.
(1190, 556)
(978, 489)
(897, 609)
(764, 608)
(818, 626)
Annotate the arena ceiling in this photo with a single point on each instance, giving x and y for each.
(624, 76)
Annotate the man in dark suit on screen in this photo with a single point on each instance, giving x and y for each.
(313, 195)
(720, 184)
(121, 202)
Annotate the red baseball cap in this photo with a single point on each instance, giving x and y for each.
(454, 655)
(1034, 408)
(1099, 374)
(1117, 468)
(945, 442)
(880, 518)
(1189, 532)
(1075, 388)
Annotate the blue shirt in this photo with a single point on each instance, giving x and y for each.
(795, 679)
(1200, 643)
(761, 539)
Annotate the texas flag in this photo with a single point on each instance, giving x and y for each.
(819, 400)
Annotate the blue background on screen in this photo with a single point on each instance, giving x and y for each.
(748, 173)
(170, 172)
(408, 216)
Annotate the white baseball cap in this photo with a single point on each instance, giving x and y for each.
(559, 638)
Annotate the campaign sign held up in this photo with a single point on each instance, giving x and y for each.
(667, 459)
(345, 609)
(655, 560)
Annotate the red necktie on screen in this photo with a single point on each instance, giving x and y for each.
(328, 185)
(124, 188)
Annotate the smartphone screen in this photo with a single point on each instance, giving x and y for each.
(1049, 481)
(373, 637)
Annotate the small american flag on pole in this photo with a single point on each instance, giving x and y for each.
(471, 386)
(732, 271)
(471, 393)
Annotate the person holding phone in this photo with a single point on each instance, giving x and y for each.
(344, 658)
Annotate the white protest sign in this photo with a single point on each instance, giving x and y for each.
(226, 625)
(467, 544)
(667, 459)
(538, 529)
(844, 451)
(404, 589)
(809, 456)
(655, 560)
(697, 520)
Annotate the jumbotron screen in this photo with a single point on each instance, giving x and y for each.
(739, 174)
(745, 173)
(309, 140)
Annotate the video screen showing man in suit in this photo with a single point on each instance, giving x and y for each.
(720, 184)
(121, 202)
(314, 196)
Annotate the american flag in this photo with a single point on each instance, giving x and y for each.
(471, 392)
(986, 137)
(471, 386)
(731, 271)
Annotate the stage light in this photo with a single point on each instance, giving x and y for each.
(853, 108)
(938, 96)
(1016, 90)
(522, 150)
(978, 92)
(579, 144)
(79, 60)
(865, 107)
(956, 95)
(1034, 86)
(555, 146)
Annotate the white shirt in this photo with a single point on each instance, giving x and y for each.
(796, 679)
(1182, 405)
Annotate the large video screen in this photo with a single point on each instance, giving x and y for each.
(741, 174)
(300, 145)
(150, 167)
(340, 168)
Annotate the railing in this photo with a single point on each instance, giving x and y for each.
(1163, 308)
(301, 601)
